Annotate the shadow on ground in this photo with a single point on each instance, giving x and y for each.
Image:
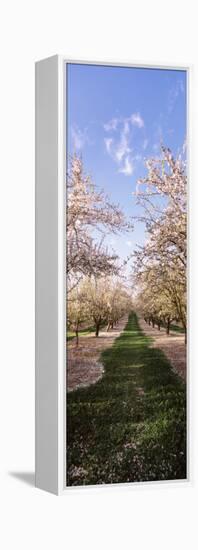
(25, 477)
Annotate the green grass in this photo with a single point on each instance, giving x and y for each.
(176, 328)
(131, 425)
(82, 332)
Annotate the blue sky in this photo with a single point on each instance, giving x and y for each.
(117, 117)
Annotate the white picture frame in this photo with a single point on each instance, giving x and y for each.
(50, 285)
(50, 307)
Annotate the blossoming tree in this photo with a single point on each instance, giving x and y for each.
(90, 218)
(160, 264)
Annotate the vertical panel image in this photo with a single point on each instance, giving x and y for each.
(126, 340)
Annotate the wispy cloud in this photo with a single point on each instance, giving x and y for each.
(79, 138)
(137, 120)
(111, 125)
(127, 168)
(174, 93)
(123, 148)
(108, 144)
(119, 147)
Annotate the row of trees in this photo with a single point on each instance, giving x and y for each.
(97, 301)
(95, 290)
(160, 265)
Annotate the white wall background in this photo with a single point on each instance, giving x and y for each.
(162, 517)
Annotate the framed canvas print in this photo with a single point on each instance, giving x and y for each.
(112, 173)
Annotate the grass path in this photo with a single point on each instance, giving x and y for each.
(129, 426)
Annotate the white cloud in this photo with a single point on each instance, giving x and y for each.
(174, 93)
(119, 146)
(79, 138)
(108, 144)
(129, 243)
(127, 168)
(123, 145)
(137, 120)
(111, 125)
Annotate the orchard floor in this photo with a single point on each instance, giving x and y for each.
(83, 361)
(130, 425)
(173, 345)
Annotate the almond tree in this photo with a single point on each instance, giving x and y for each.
(107, 301)
(77, 310)
(96, 296)
(162, 260)
(157, 301)
(90, 217)
(162, 195)
(119, 302)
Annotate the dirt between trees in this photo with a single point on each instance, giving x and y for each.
(173, 345)
(83, 365)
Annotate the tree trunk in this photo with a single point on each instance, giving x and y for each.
(168, 327)
(97, 329)
(159, 325)
(110, 325)
(153, 323)
(77, 339)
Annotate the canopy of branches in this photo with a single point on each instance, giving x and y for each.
(90, 218)
(160, 265)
